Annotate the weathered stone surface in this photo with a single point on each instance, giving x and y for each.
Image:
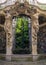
(22, 63)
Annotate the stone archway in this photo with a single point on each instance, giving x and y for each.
(15, 10)
(24, 8)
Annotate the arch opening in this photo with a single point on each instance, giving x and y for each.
(21, 34)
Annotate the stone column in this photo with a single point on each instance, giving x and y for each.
(35, 27)
(8, 27)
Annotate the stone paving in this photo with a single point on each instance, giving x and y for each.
(22, 63)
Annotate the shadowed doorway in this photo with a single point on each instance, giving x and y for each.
(42, 35)
(2, 35)
(21, 35)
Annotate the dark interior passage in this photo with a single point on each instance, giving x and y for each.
(2, 19)
(2, 40)
(41, 40)
(22, 34)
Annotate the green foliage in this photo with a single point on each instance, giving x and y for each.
(22, 35)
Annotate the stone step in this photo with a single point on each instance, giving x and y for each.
(22, 63)
(22, 58)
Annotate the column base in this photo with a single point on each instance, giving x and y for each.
(35, 57)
